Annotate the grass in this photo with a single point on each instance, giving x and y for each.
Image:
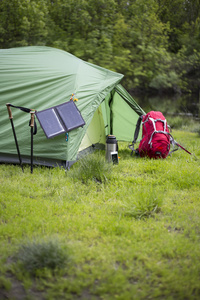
(92, 167)
(126, 231)
(145, 203)
(184, 123)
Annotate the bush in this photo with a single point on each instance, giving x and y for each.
(183, 123)
(165, 81)
(36, 256)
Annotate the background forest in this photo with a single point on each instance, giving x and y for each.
(154, 43)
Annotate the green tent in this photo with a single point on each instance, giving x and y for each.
(43, 77)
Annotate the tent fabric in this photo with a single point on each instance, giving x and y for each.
(43, 77)
(96, 131)
(129, 99)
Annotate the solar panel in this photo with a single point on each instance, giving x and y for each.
(70, 115)
(59, 119)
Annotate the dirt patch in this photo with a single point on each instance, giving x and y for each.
(18, 292)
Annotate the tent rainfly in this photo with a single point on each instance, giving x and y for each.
(42, 77)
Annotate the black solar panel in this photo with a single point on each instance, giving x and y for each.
(59, 119)
(70, 115)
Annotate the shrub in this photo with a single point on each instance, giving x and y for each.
(183, 123)
(36, 256)
(166, 81)
(177, 122)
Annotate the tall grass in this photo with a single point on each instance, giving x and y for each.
(91, 167)
(143, 203)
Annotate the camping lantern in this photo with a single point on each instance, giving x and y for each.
(111, 149)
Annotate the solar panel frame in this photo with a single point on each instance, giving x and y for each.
(60, 119)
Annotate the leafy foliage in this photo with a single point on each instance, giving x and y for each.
(154, 43)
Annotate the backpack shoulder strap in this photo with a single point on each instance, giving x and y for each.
(137, 129)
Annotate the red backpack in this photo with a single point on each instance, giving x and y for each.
(155, 141)
(156, 138)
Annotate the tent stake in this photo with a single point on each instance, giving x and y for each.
(15, 137)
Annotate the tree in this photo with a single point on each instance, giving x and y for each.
(154, 43)
(147, 42)
(182, 16)
(23, 23)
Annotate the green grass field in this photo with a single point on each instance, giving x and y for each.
(126, 231)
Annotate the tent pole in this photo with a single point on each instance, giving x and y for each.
(183, 148)
(32, 125)
(15, 137)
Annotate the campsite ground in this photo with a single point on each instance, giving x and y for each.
(128, 231)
